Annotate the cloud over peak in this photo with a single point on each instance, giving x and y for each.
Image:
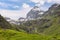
(19, 8)
(25, 5)
(42, 2)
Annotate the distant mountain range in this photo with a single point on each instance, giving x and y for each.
(11, 21)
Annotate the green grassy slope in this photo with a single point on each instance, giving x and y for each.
(54, 28)
(15, 35)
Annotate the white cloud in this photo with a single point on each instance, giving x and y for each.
(49, 1)
(44, 8)
(14, 0)
(25, 5)
(6, 5)
(57, 1)
(53, 1)
(41, 2)
(35, 1)
(15, 14)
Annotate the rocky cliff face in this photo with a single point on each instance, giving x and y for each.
(34, 13)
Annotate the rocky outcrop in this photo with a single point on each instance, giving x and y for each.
(34, 13)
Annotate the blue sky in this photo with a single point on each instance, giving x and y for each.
(14, 4)
(19, 8)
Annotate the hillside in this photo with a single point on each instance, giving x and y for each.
(4, 24)
(6, 32)
(48, 24)
(15, 35)
(55, 21)
(34, 13)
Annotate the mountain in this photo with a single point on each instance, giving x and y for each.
(47, 27)
(11, 21)
(4, 24)
(6, 32)
(34, 13)
(21, 19)
(48, 24)
(7, 18)
(7, 23)
(53, 10)
(54, 15)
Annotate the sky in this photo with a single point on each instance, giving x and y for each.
(15, 9)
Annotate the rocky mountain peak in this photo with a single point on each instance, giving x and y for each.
(54, 6)
(34, 13)
(36, 8)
